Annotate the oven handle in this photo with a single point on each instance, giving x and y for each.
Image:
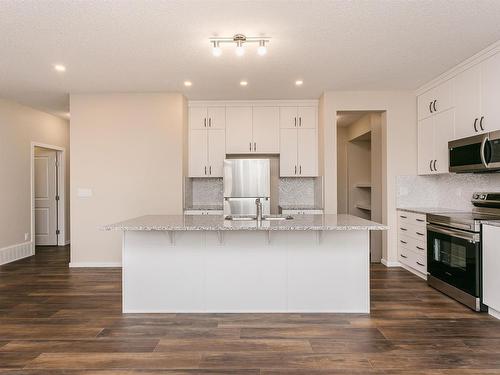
(471, 237)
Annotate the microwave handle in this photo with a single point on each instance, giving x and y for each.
(483, 147)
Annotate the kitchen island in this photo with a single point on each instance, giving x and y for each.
(185, 263)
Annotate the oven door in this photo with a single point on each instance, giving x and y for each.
(453, 257)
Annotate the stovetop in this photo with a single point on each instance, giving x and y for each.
(470, 221)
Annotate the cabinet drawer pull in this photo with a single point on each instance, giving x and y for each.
(481, 123)
(475, 123)
(434, 106)
(420, 248)
(403, 241)
(420, 220)
(420, 264)
(420, 234)
(403, 229)
(403, 256)
(403, 217)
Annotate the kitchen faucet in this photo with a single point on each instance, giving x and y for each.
(258, 203)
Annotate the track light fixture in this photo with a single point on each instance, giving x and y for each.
(240, 40)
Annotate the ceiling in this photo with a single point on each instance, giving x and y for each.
(155, 45)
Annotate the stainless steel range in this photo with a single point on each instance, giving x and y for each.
(454, 250)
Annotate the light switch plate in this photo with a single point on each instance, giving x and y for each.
(84, 192)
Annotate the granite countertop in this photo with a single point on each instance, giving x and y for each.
(299, 207)
(428, 210)
(205, 207)
(217, 223)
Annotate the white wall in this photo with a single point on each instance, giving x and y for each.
(19, 127)
(127, 148)
(399, 139)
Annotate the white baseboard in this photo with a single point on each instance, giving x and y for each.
(414, 271)
(95, 264)
(390, 263)
(494, 313)
(15, 252)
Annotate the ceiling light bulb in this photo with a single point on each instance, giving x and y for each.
(262, 50)
(298, 83)
(243, 83)
(216, 51)
(59, 68)
(187, 83)
(240, 51)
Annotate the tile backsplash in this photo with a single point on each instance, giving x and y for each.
(443, 191)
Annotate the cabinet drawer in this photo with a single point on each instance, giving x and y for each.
(413, 260)
(412, 218)
(417, 232)
(409, 243)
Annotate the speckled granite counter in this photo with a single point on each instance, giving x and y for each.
(217, 223)
(427, 210)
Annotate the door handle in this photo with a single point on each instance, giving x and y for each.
(430, 165)
(434, 105)
(295, 121)
(434, 165)
(210, 170)
(420, 264)
(250, 146)
(403, 242)
(481, 123)
(205, 170)
(475, 123)
(300, 169)
(209, 122)
(295, 169)
(403, 256)
(420, 248)
(430, 107)
(420, 234)
(403, 229)
(300, 121)
(255, 146)
(205, 122)
(403, 217)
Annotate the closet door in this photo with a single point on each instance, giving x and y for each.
(239, 130)
(288, 153)
(266, 130)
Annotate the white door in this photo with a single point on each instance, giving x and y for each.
(217, 117)
(239, 130)
(198, 118)
(266, 130)
(216, 152)
(307, 152)
(490, 93)
(425, 145)
(288, 117)
(198, 153)
(45, 197)
(467, 102)
(443, 133)
(306, 117)
(288, 153)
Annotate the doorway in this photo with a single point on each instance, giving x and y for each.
(359, 170)
(47, 186)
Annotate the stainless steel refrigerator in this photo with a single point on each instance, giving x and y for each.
(245, 180)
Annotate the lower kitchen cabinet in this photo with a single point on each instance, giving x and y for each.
(298, 152)
(491, 267)
(412, 242)
(206, 152)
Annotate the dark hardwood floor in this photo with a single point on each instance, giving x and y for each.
(56, 320)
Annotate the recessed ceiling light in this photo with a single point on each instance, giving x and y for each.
(59, 68)
(188, 83)
(243, 83)
(299, 82)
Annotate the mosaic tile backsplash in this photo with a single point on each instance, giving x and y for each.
(444, 191)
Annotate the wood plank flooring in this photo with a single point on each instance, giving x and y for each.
(56, 320)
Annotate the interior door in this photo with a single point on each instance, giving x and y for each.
(425, 145)
(288, 117)
(490, 89)
(266, 130)
(443, 133)
(216, 152)
(217, 116)
(306, 117)
(467, 102)
(198, 117)
(239, 130)
(307, 152)
(288, 152)
(198, 153)
(45, 197)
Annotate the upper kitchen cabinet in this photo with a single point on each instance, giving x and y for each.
(252, 129)
(436, 100)
(490, 93)
(298, 117)
(434, 133)
(204, 117)
(298, 153)
(206, 152)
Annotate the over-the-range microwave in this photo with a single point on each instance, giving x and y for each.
(479, 153)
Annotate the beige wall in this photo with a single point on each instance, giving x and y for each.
(127, 148)
(19, 127)
(399, 139)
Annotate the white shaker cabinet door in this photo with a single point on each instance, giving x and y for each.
(217, 117)
(425, 146)
(198, 118)
(443, 133)
(239, 130)
(198, 153)
(307, 153)
(288, 152)
(266, 130)
(288, 117)
(491, 266)
(306, 117)
(467, 102)
(216, 152)
(490, 93)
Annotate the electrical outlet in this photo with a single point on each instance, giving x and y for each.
(26, 236)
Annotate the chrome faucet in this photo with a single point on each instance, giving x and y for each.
(258, 203)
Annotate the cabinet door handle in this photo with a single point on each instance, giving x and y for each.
(250, 146)
(210, 170)
(430, 165)
(300, 121)
(430, 107)
(434, 105)
(255, 146)
(295, 121)
(475, 123)
(209, 122)
(481, 123)
(420, 248)
(205, 122)
(300, 169)
(403, 256)
(205, 170)
(295, 169)
(434, 165)
(420, 264)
